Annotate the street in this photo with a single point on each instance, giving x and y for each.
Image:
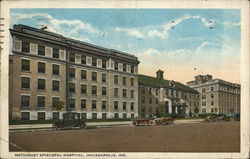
(188, 137)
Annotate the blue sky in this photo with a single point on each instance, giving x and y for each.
(174, 40)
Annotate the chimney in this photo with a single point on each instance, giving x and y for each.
(159, 74)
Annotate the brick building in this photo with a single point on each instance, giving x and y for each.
(46, 68)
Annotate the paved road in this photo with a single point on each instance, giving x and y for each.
(27, 127)
(202, 137)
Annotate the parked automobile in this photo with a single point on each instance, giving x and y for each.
(70, 120)
(236, 117)
(152, 121)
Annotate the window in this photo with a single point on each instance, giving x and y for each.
(212, 110)
(124, 115)
(156, 101)
(203, 103)
(25, 47)
(55, 100)
(212, 95)
(104, 77)
(124, 93)
(25, 101)
(116, 92)
(84, 88)
(157, 92)
(203, 110)
(72, 72)
(83, 115)
(132, 81)
(104, 64)
(25, 83)
(83, 74)
(94, 104)
(132, 105)
(124, 67)
(40, 101)
(55, 85)
(94, 90)
(143, 90)
(212, 88)
(116, 65)
(124, 80)
(94, 76)
(132, 116)
(132, 69)
(56, 69)
(83, 103)
(71, 57)
(124, 105)
(212, 102)
(83, 59)
(55, 115)
(104, 115)
(55, 53)
(72, 87)
(150, 91)
(25, 115)
(143, 99)
(116, 105)
(104, 105)
(94, 61)
(41, 67)
(203, 96)
(116, 115)
(116, 78)
(203, 90)
(94, 115)
(25, 65)
(143, 110)
(41, 84)
(150, 100)
(72, 102)
(104, 91)
(41, 50)
(41, 115)
(132, 94)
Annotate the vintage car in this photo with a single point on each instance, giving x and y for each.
(216, 118)
(152, 122)
(70, 120)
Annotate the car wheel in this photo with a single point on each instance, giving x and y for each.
(151, 122)
(55, 126)
(134, 123)
(82, 126)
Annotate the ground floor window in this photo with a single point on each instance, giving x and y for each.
(132, 115)
(203, 110)
(41, 115)
(124, 115)
(116, 115)
(55, 115)
(94, 115)
(25, 115)
(104, 115)
(83, 115)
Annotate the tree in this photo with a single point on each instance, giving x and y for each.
(59, 105)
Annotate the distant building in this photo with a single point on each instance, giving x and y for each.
(46, 68)
(216, 95)
(175, 97)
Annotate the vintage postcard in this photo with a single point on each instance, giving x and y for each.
(124, 79)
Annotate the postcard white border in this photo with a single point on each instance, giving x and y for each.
(222, 4)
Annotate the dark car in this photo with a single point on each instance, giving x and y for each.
(70, 120)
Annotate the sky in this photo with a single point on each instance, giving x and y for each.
(181, 42)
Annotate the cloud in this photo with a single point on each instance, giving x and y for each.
(65, 27)
(158, 33)
(132, 32)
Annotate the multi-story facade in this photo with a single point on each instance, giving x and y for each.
(46, 68)
(216, 95)
(175, 97)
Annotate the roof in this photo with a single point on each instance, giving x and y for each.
(154, 82)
